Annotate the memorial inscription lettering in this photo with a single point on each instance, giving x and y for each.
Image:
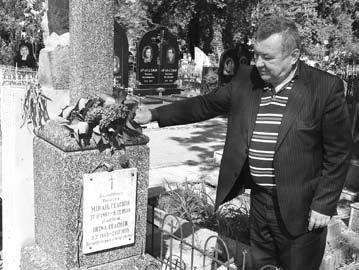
(109, 209)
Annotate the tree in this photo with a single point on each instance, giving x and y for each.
(325, 27)
(19, 22)
(132, 15)
(212, 25)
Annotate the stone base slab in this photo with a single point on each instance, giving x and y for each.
(34, 258)
(58, 178)
(144, 92)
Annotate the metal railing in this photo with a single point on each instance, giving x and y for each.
(10, 75)
(173, 244)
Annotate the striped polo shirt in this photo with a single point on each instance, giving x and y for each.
(265, 134)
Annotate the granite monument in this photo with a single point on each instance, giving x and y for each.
(90, 204)
(157, 63)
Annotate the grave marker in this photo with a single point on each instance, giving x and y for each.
(109, 209)
(69, 207)
(120, 54)
(58, 16)
(157, 63)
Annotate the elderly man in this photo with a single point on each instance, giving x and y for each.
(288, 139)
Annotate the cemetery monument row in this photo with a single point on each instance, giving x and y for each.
(157, 63)
(90, 202)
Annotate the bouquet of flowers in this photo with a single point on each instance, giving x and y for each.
(103, 120)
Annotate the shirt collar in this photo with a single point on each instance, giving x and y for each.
(293, 74)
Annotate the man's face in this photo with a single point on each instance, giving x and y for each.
(271, 61)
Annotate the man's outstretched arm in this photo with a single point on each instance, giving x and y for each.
(191, 110)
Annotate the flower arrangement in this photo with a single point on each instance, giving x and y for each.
(103, 120)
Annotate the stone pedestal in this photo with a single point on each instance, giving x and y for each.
(59, 166)
(34, 258)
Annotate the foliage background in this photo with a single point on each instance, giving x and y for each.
(20, 21)
(330, 28)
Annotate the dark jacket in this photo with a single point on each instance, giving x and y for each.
(313, 147)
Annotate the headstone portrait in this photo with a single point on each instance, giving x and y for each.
(169, 67)
(25, 57)
(157, 62)
(147, 54)
(148, 68)
(230, 60)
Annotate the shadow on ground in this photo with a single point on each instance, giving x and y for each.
(204, 140)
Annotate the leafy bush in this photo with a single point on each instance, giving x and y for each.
(192, 203)
(7, 53)
(350, 266)
(35, 107)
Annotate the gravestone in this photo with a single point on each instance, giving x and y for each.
(90, 205)
(120, 54)
(54, 59)
(58, 16)
(230, 61)
(170, 98)
(86, 216)
(54, 62)
(157, 63)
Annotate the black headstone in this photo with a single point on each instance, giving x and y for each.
(120, 56)
(58, 16)
(230, 61)
(157, 62)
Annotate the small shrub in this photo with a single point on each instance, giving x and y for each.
(35, 107)
(350, 266)
(192, 203)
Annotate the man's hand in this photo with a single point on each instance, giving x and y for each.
(317, 220)
(143, 115)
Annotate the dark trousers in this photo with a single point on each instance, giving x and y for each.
(271, 244)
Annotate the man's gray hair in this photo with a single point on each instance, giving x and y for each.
(280, 25)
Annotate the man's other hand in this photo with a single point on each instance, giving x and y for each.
(317, 220)
(143, 115)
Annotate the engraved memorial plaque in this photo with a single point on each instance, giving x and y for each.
(109, 209)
